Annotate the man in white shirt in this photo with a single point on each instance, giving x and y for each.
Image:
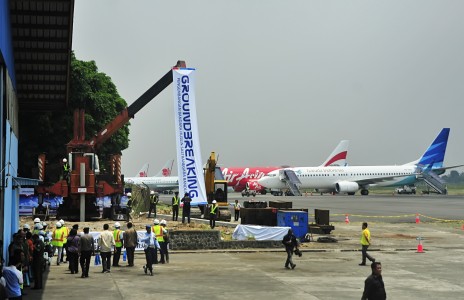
(151, 244)
(106, 243)
(13, 279)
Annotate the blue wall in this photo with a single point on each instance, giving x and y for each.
(11, 191)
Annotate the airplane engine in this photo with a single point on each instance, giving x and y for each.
(346, 187)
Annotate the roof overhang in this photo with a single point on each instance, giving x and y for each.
(42, 42)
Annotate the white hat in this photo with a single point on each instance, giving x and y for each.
(129, 194)
(58, 224)
(163, 222)
(152, 192)
(117, 225)
(62, 222)
(26, 226)
(214, 201)
(36, 220)
(65, 160)
(44, 224)
(38, 226)
(156, 221)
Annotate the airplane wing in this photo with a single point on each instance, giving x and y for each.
(364, 182)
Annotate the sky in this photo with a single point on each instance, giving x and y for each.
(282, 82)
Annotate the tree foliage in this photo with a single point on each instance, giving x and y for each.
(50, 132)
(454, 177)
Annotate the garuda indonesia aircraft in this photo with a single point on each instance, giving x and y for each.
(350, 179)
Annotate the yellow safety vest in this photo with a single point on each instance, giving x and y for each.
(66, 233)
(117, 238)
(58, 237)
(158, 231)
(213, 209)
(175, 200)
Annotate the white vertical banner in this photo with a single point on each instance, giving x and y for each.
(189, 163)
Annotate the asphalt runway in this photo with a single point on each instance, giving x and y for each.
(382, 208)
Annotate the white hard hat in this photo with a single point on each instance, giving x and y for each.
(38, 226)
(129, 194)
(152, 192)
(214, 201)
(58, 224)
(156, 221)
(117, 225)
(44, 224)
(36, 220)
(62, 222)
(163, 222)
(26, 226)
(65, 160)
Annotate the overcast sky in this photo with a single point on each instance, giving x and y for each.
(282, 82)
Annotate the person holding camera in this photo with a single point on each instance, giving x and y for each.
(291, 244)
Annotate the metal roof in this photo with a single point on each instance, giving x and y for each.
(42, 42)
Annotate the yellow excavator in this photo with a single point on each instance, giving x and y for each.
(216, 188)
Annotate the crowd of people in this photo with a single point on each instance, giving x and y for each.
(30, 252)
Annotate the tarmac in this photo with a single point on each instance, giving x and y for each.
(325, 271)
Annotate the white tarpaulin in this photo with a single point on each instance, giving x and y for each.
(189, 163)
(259, 233)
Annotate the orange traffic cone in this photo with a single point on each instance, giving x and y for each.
(420, 248)
(417, 219)
(347, 220)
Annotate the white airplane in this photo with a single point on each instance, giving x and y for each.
(350, 179)
(161, 182)
(241, 178)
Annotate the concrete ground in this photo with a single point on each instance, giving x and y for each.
(325, 271)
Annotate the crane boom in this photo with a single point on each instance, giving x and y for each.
(130, 111)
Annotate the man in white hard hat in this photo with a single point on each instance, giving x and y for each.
(164, 245)
(154, 199)
(57, 241)
(158, 231)
(65, 247)
(26, 227)
(213, 212)
(65, 169)
(129, 205)
(118, 236)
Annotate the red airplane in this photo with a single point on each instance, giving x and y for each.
(240, 178)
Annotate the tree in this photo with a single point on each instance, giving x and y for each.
(50, 132)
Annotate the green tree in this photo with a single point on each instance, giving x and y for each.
(50, 132)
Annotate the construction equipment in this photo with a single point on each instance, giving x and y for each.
(82, 182)
(216, 189)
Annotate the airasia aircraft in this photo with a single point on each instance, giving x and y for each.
(240, 178)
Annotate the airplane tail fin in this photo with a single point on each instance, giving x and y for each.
(143, 171)
(435, 154)
(338, 156)
(166, 169)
